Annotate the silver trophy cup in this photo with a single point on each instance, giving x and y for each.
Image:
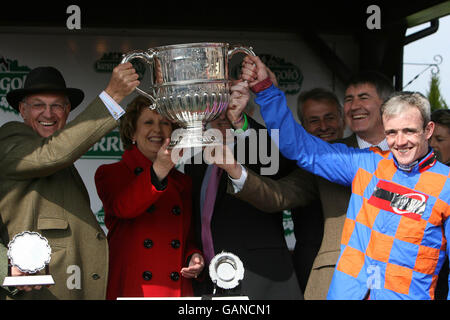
(190, 86)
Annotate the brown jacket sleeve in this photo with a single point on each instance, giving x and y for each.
(298, 188)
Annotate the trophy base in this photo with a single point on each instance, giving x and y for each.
(194, 137)
(41, 280)
(193, 142)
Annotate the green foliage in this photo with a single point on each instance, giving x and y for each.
(434, 94)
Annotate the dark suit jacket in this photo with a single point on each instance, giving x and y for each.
(257, 238)
(300, 188)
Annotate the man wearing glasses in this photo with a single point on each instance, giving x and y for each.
(40, 188)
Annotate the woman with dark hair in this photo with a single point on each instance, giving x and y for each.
(148, 209)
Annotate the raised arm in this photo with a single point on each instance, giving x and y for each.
(335, 162)
(27, 155)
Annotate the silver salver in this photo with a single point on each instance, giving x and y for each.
(30, 252)
(226, 270)
(190, 86)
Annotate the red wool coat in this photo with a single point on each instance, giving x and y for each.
(149, 231)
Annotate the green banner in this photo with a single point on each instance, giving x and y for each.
(108, 147)
(12, 76)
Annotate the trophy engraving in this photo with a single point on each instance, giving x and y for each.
(30, 253)
(190, 86)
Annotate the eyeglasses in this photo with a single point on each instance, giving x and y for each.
(40, 106)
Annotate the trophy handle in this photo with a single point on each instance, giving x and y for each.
(148, 58)
(241, 49)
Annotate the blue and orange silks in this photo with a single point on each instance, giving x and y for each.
(394, 238)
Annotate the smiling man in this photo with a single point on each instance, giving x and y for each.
(393, 243)
(45, 112)
(42, 191)
(321, 114)
(363, 98)
(407, 127)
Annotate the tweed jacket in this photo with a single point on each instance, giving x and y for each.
(300, 188)
(40, 190)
